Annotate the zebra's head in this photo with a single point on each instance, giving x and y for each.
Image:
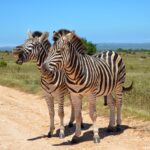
(58, 55)
(32, 47)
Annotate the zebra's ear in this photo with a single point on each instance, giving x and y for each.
(30, 35)
(69, 36)
(43, 37)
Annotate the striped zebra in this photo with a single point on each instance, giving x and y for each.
(62, 32)
(36, 47)
(110, 57)
(90, 76)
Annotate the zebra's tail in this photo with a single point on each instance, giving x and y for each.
(105, 100)
(129, 88)
(125, 89)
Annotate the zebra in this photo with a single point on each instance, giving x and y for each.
(110, 58)
(89, 76)
(36, 47)
(62, 32)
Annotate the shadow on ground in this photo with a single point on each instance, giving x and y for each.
(88, 136)
(68, 131)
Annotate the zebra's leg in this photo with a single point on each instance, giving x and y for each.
(111, 105)
(119, 95)
(61, 115)
(72, 118)
(50, 104)
(76, 101)
(93, 115)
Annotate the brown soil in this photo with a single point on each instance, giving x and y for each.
(24, 123)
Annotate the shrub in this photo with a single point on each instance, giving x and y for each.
(91, 48)
(3, 63)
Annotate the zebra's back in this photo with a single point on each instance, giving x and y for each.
(116, 64)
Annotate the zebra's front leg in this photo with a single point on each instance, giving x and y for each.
(72, 117)
(93, 115)
(76, 101)
(50, 104)
(61, 115)
(111, 105)
(119, 95)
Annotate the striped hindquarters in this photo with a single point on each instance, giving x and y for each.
(116, 64)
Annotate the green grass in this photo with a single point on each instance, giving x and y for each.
(25, 77)
(136, 103)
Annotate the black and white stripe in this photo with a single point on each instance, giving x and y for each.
(36, 47)
(90, 76)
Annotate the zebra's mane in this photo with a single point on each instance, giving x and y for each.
(36, 34)
(78, 44)
(60, 33)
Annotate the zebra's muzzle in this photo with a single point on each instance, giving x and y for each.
(17, 51)
(19, 60)
(46, 72)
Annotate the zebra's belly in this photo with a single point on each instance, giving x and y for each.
(78, 89)
(85, 91)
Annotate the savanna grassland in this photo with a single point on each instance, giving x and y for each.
(136, 103)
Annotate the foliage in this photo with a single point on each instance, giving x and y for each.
(3, 63)
(129, 50)
(91, 48)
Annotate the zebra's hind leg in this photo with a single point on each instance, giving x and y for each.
(119, 95)
(72, 117)
(61, 115)
(50, 104)
(76, 101)
(111, 105)
(93, 116)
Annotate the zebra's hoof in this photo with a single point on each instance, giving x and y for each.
(75, 140)
(49, 135)
(70, 125)
(96, 139)
(82, 126)
(118, 128)
(61, 135)
(110, 129)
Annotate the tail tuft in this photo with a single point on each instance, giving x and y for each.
(105, 100)
(129, 88)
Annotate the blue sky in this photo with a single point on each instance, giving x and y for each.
(96, 20)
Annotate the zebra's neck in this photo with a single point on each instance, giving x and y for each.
(73, 65)
(42, 53)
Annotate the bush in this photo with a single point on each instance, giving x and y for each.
(91, 48)
(3, 63)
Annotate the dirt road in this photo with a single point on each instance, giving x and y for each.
(24, 122)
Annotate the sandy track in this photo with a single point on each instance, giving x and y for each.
(25, 116)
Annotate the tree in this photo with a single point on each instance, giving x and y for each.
(91, 48)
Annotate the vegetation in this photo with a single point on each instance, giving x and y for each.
(3, 63)
(136, 103)
(25, 77)
(91, 48)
